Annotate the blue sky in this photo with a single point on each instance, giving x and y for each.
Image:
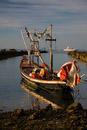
(69, 19)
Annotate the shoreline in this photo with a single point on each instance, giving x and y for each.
(79, 55)
(74, 117)
(5, 54)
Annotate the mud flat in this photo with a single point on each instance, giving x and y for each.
(5, 54)
(73, 118)
(79, 55)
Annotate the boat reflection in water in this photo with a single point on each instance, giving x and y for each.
(55, 98)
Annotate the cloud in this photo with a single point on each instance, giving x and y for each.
(14, 13)
(69, 17)
(69, 5)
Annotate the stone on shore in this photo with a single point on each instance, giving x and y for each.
(18, 112)
(74, 106)
(45, 119)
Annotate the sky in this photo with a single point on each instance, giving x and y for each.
(68, 17)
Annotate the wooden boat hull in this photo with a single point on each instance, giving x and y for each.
(49, 85)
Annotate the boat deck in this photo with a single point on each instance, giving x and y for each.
(27, 68)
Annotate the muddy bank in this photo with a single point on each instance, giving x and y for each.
(79, 55)
(73, 118)
(5, 54)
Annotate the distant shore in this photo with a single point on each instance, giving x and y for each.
(79, 55)
(5, 54)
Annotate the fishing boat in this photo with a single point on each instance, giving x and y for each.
(43, 75)
(69, 49)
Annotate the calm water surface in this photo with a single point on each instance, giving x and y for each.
(13, 96)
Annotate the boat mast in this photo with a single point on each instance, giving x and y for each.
(51, 53)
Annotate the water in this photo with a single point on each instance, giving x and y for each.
(13, 96)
